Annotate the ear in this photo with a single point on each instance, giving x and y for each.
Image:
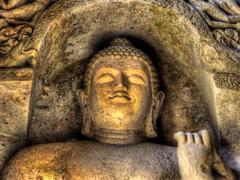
(83, 101)
(158, 101)
(82, 98)
(150, 126)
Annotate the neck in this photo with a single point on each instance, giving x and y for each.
(119, 137)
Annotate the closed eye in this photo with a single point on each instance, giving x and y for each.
(105, 78)
(136, 79)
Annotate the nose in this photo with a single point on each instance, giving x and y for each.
(121, 83)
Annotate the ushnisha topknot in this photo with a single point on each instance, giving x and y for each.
(122, 48)
(121, 42)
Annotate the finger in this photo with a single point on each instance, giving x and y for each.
(197, 138)
(180, 137)
(190, 139)
(206, 138)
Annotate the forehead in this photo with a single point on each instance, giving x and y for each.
(121, 63)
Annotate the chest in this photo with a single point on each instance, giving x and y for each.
(123, 163)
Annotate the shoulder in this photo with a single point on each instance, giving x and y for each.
(158, 148)
(41, 160)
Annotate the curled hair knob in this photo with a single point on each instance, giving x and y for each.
(121, 42)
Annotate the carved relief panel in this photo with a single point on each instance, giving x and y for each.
(191, 44)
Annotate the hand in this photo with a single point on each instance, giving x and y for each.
(194, 155)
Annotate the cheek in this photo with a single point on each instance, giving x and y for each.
(102, 92)
(140, 95)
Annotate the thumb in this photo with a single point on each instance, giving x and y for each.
(220, 167)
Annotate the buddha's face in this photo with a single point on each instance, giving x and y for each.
(119, 105)
(120, 98)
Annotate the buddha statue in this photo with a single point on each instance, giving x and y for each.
(121, 102)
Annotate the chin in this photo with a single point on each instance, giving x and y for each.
(120, 112)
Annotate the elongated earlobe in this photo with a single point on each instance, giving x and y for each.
(150, 125)
(83, 101)
(158, 104)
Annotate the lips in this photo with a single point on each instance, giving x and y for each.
(120, 97)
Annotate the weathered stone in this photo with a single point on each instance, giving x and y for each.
(227, 81)
(14, 105)
(199, 75)
(228, 116)
(161, 26)
(8, 146)
(223, 19)
(15, 91)
(121, 101)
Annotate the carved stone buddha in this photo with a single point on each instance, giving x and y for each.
(120, 101)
